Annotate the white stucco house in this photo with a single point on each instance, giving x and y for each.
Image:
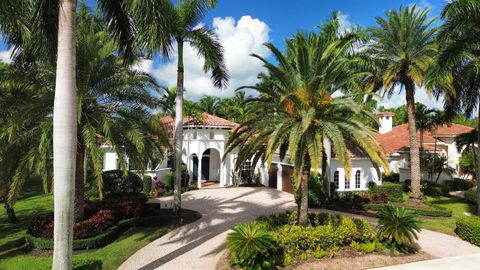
(204, 145)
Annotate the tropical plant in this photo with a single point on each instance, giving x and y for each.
(436, 165)
(161, 25)
(397, 226)
(299, 115)
(252, 246)
(459, 62)
(468, 163)
(46, 29)
(403, 48)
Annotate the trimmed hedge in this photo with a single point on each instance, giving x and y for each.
(113, 233)
(468, 228)
(86, 264)
(436, 211)
(394, 191)
(471, 195)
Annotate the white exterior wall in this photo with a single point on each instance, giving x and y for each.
(367, 173)
(110, 160)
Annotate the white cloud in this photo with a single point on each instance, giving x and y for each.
(343, 21)
(5, 56)
(144, 65)
(239, 39)
(398, 99)
(425, 4)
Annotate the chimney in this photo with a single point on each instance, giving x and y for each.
(386, 122)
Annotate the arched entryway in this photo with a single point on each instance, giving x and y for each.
(210, 165)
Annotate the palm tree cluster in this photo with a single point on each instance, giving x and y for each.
(72, 86)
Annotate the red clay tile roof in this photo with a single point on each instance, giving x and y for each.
(205, 120)
(453, 129)
(397, 139)
(386, 114)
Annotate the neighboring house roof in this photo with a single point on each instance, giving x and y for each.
(397, 139)
(451, 130)
(205, 120)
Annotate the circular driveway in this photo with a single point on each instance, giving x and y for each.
(199, 245)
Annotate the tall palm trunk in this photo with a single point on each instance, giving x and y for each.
(478, 160)
(412, 134)
(177, 190)
(303, 203)
(64, 137)
(80, 182)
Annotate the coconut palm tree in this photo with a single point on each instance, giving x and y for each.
(48, 29)
(459, 62)
(403, 47)
(297, 114)
(163, 25)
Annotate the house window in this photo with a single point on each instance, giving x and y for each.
(211, 135)
(247, 166)
(347, 183)
(388, 117)
(336, 178)
(357, 179)
(194, 136)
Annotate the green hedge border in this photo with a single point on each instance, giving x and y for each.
(468, 228)
(437, 212)
(114, 232)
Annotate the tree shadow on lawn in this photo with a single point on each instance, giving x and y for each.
(220, 213)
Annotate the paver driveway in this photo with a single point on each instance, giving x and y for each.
(199, 245)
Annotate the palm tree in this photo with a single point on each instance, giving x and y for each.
(459, 62)
(297, 114)
(161, 26)
(48, 27)
(209, 104)
(403, 47)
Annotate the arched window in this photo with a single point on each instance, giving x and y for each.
(194, 135)
(347, 183)
(211, 135)
(357, 179)
(336, 178)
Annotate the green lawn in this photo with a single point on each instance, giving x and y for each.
(444, 224)
(13, 254)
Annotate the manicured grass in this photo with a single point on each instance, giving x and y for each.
(444, 224)
(13, 254)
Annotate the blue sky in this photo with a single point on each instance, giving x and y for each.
(243, 25)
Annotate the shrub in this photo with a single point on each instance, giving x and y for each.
(115, 181)
(168, 179)
(367, 247)
(468, 228)
(460, 184)
(317, 195)
(397, 226)
(252, 246)
(86, 264)
(371, 185)
(394, 191)
(392, 177)
(147, 184)
(434, 189)
(471, 195)
(379, 197)
(346, 230)
(365, 230)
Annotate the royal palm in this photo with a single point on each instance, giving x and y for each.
(163, 25)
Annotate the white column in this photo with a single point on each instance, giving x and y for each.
(222, 176)
(199, 178)
(279, 177)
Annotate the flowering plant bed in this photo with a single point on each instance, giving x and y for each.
(106, 225)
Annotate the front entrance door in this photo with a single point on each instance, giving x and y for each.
(206, 168)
